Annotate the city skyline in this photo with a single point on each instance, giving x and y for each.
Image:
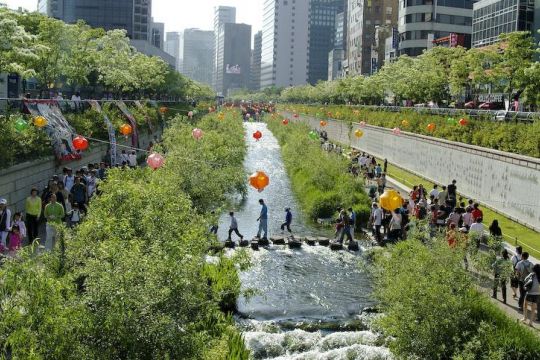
(170, 12)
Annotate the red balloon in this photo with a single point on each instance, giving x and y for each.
(80, 143)
(155, 161)
(463, 122)
(323, 123)
(285, 121)
(257, 135)
(296, 115)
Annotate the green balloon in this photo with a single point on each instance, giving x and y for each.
(451, 121)
(21, 125)
(313, 135)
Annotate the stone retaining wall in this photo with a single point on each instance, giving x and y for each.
(506, 182)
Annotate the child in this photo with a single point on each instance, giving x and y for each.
(74, 215)
(18, 220)
(15, 239)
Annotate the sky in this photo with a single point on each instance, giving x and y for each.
(181, 14)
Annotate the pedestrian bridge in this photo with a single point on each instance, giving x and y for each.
(293, 242)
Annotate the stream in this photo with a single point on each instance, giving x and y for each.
(309, 302)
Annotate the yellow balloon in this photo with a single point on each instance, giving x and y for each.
(405, 123)
(40, 121)
(358, 133)
(390, 200)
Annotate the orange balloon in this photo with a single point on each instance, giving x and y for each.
(126, 129)
(259, 180)
(80, 143)
(463, 122)
(163, 109)
(323, 123)
(431, 127)
(285, 121)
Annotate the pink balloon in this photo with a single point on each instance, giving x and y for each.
(190, 114)
(362, 124)
(396, 131)
(197, 133)
(155, 161)
(248, 116)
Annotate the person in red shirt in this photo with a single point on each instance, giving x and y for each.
(477, 213)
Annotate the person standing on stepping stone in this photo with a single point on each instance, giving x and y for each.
(234, 227)
(288, 220)
(263, 220)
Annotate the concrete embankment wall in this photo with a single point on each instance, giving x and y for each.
(17, 181)
(506, 182)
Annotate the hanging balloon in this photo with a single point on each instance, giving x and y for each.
(80, 143)
(451, 121)
(463, 122)
(431, 127)
(126, 129)
(359, 133)
(338, 114)
(40, 121)
(390, 200)
(323, 123)
(405, 123)
(197, 134)
(163, 109)
(257, 135)
(21, 125)
(190, 114)
(155, 161)
(295, 115)
(285, 121)
(396, 131)
(362, 124)
(259, 180)
(313, 135)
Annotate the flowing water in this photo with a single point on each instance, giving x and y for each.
(308, 302)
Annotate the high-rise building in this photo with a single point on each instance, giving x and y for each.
(233, 58)
(336, 57)
(322, 30)
(134, 16)
(198, 55)
(537, 22)
(157, 34)
(494, 17)
(256, 62)
(364, 18)
(222, 15)
(422, 22)
(174, 45)
(285, 41)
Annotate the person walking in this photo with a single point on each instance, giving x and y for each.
(514, 281)
(5, 224)
(352, 220)
(523, 268)
(498, 268)
(234, 227)
(54, 213)
(263, 221)
(346, 229)
(395, 225)
(33, 206)
(288, 220)
(533, 294)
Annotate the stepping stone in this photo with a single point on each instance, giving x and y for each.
(353, 246)
(262, 242)
(277, 240)
(254, 245)
(294, 243)
(336, 246)
(244, 243)
(230, 244)
(323, 241)
(310, 240)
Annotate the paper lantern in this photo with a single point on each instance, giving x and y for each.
(197, 134)
(359, 133)
(390, 200)
(285, 121)
(323, 123)
(259, 180)
(296, 115)
(451, 121)
(431, 127)
(313, 135)
(362, 124)
(163, 109)
(463, 122)
(155, 161)
(20, 125)
(80, 143)
(40, 121)
(257, 135)
(190, 114)
(338, 114)
(126, 129)
(396, 131)
(405, 123)
(221, 116)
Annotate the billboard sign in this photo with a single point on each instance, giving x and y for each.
(233, 69)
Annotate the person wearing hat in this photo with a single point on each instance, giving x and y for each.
(5, 223)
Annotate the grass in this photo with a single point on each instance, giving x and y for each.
(515, 233)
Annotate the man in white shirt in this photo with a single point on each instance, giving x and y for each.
(5, 223)
(69, 179)
(376, 219)
(434, 192)
(132, 158)
(477, 227)
(234, 227)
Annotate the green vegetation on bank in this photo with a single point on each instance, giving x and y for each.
(432, 309)
(131, 281)
(516, 137)
(320, 180)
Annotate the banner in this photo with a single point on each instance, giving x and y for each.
(233, 69)
(57, 128)
(135, 135)
(112, 137)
